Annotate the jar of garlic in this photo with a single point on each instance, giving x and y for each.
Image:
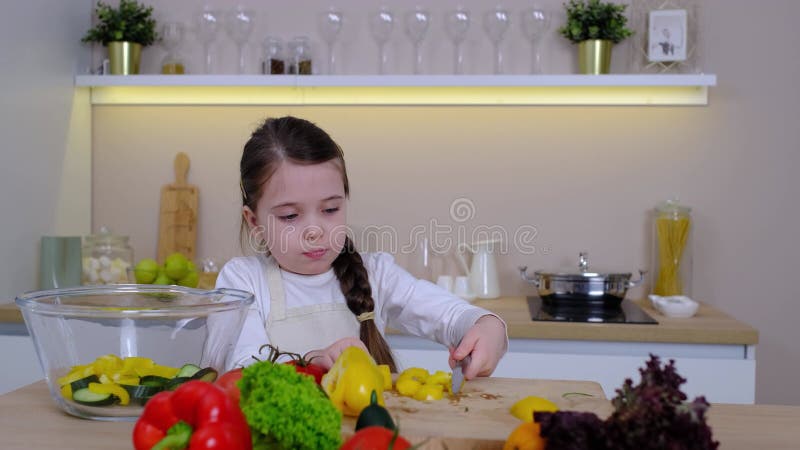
(106, 258)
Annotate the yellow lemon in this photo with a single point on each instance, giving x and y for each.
(524, 409)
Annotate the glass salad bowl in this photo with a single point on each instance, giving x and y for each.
(105, 350)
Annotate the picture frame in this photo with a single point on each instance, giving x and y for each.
(689, 59)
(666, 35)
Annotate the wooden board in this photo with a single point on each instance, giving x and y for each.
(481, 413)
(177, 226)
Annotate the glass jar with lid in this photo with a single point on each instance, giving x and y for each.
(274, 62)
(300, 55)
(106, 259)
(672, 252)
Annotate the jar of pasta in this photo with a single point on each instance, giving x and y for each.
(672, 252)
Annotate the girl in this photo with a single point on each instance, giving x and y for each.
(315, 294)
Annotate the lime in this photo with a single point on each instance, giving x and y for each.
(176, 266)
(146, 271)
(524, 409)
(190, 280)
(163, 279)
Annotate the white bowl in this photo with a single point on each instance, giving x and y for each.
(678, 306)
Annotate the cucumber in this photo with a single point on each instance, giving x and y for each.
(141, 393)
(77, 385)
(154, 381)
(187, 371)
(86, 397)
(175, 382)
(208, 374)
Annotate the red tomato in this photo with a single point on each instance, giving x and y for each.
(375, 438)
(227, 382)
(303, 366)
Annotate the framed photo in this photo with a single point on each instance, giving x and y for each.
(679, 49)
(666, 35)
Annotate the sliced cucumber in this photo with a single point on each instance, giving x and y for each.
(86, 397)
(141, 393)
(188, 371)
(77, 385)
(154, 381)
(175, 382)
(207, 374)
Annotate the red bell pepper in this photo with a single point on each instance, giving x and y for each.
(197, 416)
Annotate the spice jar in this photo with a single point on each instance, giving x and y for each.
(106, 258)
(300, 54)
(274, 60)
(672, 252)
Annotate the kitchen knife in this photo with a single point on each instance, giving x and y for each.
(458, 374)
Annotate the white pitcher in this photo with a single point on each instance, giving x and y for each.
(483, 274)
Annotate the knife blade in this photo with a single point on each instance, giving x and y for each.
(458, 374)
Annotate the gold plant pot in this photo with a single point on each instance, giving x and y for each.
(124, 57)
(594, 56)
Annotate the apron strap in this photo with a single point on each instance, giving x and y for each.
(277, 297)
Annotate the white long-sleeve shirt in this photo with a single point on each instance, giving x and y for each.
(414, 306)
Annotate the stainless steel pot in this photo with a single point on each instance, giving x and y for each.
(584, 288)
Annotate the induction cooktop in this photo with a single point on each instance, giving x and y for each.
(627, 313)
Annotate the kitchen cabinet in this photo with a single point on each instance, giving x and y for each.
(618, 89)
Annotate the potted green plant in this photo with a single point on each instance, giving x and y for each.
(124, 30)
(595, 26)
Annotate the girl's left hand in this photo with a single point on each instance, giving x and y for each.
(486, 341)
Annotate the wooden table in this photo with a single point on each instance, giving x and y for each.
(30, 420)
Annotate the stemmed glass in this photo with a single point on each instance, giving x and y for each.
(456, 25)
(330, 25)
(417, 23)
(381, 24)
(207, 27)
(535, 22)
(495, 24)
(239, 25)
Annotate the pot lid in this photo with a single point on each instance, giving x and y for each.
(583, 271)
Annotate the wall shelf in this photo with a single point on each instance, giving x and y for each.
(625, 89)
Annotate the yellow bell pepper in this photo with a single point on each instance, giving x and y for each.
(115, 389)
(407, 386)
(387, 376)
(429, 392)
(351, 380)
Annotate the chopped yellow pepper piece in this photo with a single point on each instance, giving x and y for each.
(417, 373)
(113, 389)
(66, 391)
(407, 386)
(429, 392)
(387, 376)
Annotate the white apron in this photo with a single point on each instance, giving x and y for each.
(312, 327)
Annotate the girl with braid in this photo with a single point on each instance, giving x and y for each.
(315, 294)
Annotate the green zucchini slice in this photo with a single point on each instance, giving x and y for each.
(187, 371)
(77, 385)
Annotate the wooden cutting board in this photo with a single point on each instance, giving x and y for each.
(481, 413)
(177, 218)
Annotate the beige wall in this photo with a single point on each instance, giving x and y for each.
(585, 177)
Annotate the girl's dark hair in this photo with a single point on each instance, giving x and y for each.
(301, 142)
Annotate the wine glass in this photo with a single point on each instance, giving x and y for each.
(495, 24)
(207, 27)
(330, 25)
(381, 24)
(535, 23)
(239, 25)
(417, 23)
(456, 26)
